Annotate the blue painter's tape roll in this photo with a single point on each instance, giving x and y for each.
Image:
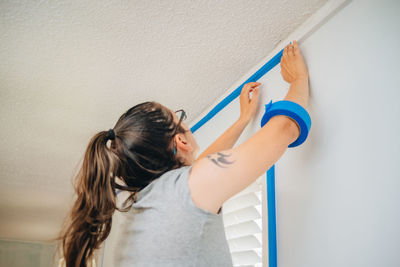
(292, 110)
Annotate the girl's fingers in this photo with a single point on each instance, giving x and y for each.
(248, 87)
(252, 85)
(254, 96)
(255, 92)
(287, 69)
(296, 47)
(290, 50)
(283, 58)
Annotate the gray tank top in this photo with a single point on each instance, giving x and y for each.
(166, 228)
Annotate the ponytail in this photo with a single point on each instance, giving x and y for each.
(90, 218)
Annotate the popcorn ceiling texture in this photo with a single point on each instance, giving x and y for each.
(69, 69)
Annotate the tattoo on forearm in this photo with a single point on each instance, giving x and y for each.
(220, 159)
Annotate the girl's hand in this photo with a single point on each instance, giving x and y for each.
(292, 64)
(248, 106)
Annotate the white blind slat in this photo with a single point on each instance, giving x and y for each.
(243, 229)
(243, 215)
(245, 243)
(245, 200)
(248, 257)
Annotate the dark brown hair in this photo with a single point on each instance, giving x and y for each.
(141, 152)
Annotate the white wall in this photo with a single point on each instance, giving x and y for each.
(337, 194)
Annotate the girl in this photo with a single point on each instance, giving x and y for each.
(173, 213)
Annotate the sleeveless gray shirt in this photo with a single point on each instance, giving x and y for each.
(166, 228)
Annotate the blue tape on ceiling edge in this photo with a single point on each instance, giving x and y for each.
(261, 72)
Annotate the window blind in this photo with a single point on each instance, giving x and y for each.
(242, 216)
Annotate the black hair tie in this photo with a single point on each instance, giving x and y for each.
(111, 134)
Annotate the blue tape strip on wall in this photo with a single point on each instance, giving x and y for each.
(272, 250)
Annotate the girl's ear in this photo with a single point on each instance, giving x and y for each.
(181, 141)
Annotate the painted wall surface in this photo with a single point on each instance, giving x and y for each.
(337, 194)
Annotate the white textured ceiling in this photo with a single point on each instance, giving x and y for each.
(69, 69)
